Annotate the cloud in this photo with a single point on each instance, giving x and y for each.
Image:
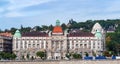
(19, 4)
(13, 7)
(39, 12)
(114, 6)
(1, 10)
(13, 14)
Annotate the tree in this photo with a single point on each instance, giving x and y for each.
(93, 53)
(113, 42)
(68, 55)
(44, 27)
(13, 56)
(77, 56)
(28, 56)
(51, 27)
(41, 54)
(25, 29)
(12, 30)
(86, 54)
(64, 26)
(37, 28)
(8, 56)
(108, 53)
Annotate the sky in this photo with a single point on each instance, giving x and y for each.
(14, 13)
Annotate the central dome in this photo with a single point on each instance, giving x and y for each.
(57, 28)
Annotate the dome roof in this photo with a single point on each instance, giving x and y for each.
(98, 34)
(57, 29)
(17, 34)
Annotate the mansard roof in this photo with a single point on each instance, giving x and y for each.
(35, 34)
(79, 33)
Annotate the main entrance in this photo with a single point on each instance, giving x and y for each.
(57, 56)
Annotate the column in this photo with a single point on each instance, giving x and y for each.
(44, 44)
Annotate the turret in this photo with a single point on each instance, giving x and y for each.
(98, 34)
(97, 27)
(17, 34)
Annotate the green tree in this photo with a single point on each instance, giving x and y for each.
(51, 27)
(77, 56)
(5, 55)
(68, 55)
(38, 28)
(86, 54)
(12, 30)
(64, 26)
(41, 54)
(28, 56)
(45, 27)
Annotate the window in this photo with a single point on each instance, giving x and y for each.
(98, 47)
(25, 44)
(80, 45)
(72, 47)
(21, 46)
(42, 45)
(37, 45)
(89, 43)
(85, 44)
(76, 45)
(89, 47)
(33, 45)
(98, 43)
(16, 45)
(29, 45)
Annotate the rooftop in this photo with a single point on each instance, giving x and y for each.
(35, 34)
(79, 33)
(57, 29)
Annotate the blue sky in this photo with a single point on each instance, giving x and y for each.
(14, 13)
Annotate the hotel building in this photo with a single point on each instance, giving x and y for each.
(58, 43)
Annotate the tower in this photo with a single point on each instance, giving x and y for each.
(97, 27)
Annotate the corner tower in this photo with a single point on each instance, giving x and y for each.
(97, 27)
(17, 34)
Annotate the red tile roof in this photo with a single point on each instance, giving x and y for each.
(35, 34)
(78, 33)
(57, 29)
(6, 34)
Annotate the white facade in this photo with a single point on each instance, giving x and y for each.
(57, 45)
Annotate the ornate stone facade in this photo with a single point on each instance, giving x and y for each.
(58, 43)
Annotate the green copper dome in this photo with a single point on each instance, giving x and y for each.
(98, 34)
(57, 23)
(17, 34)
